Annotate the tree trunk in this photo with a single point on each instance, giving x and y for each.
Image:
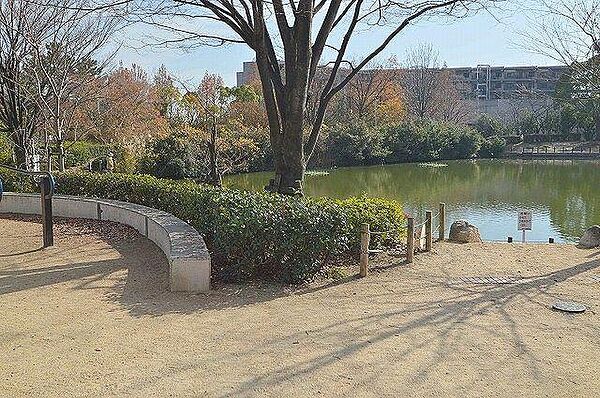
(288, 150)
(214, 176)
(285, 92)
(60, 149)
(20, 156)
(290, 167)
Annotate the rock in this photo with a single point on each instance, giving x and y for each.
(463, 232)
(590, 238)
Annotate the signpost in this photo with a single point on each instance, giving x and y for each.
(524, 223)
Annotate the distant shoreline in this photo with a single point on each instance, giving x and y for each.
(552, 156)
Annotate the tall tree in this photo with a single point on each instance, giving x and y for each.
(291, 41)
(20, 21)
(64, 65)
(125, 110)
(210, 111)
(568, 31)
(373, 90)
(430, 90)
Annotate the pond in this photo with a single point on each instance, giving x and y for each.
(563, 195)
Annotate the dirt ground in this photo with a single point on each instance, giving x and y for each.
(92, 317)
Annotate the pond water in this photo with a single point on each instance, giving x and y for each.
(563, 195)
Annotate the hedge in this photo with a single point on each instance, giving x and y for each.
(249, 235)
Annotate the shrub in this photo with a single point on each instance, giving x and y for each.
(355, 144)
(425, 140)
(381, 214)
(492, 147)
(250, 235)
(79, 153)
(16, 182)
(170, 157)
(489, 126)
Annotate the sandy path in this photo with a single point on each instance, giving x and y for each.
(91, 317)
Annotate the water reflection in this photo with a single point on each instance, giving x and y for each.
(562, 194)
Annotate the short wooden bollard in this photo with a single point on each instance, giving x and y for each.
(410, 240)
(46, 188)
(428, 231)
(364, 250)
(442, 231)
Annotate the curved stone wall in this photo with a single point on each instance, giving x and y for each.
(183, 246)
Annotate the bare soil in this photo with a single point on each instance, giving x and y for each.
(92, 317)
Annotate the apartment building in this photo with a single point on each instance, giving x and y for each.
(505, 82)
(500, 91)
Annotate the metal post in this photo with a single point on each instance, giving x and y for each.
(364, 250)
(410, 240)
(442, 231)
(45, 187)
(428, 230)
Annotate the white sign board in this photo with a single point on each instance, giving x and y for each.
(524, 223)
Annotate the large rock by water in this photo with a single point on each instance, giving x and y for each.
(463, 232)
(591, 238)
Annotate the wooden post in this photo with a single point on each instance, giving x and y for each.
(428, 230)
(48, 234)
(410, 240)
(364, 250)
(442, 222)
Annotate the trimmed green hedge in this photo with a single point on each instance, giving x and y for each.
(16, 182)
(249, 235)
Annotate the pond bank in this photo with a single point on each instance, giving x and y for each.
(552, 156)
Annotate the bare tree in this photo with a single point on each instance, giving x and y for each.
(64, 66)
(453, 99)
(19, 21)
(371, 88)
(431, 91)
(291, 40)
(420, 80)
(568, 31)
(47, 54)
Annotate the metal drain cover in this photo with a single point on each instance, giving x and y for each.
(569, 306)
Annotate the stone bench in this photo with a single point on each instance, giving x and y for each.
(186, 252)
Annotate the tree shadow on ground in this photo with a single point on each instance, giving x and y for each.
(145, 288)
(447, 315)
(143, 291)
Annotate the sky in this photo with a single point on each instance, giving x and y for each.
(479, 39)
